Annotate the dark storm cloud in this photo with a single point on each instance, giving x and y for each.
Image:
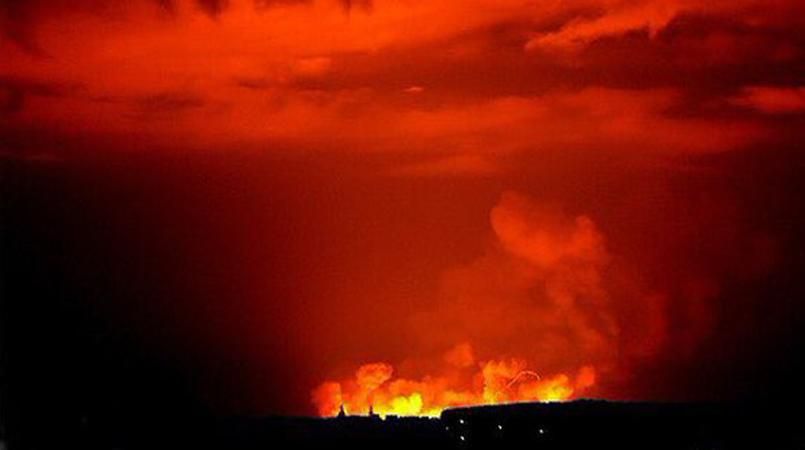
(212, 7)
(270, 3)
(705, 56)
(14, 91)
(349, 5)
(169, 102)
(19, 18)
(255, 83)
(16, 25)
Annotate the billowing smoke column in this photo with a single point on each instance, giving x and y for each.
(494, 381)
(540, 317)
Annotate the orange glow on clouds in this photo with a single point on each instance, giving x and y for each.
(314, 74)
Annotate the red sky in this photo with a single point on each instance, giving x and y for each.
(307, 186)
(459, 85)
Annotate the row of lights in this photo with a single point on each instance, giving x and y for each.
(463, 438)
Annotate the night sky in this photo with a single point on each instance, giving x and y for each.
(229, 208)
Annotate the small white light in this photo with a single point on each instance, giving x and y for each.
(461, 421)
(541, 431)
(500, 427)
(462, 438)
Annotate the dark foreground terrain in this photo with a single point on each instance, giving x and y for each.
(584, 424)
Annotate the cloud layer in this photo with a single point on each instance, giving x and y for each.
(456, 84)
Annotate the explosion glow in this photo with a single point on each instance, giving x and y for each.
(462, 383)
(557, 267)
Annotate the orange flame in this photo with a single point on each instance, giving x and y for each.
(461, 383)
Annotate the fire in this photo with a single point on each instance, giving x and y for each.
(548, 290)
(461, 382)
